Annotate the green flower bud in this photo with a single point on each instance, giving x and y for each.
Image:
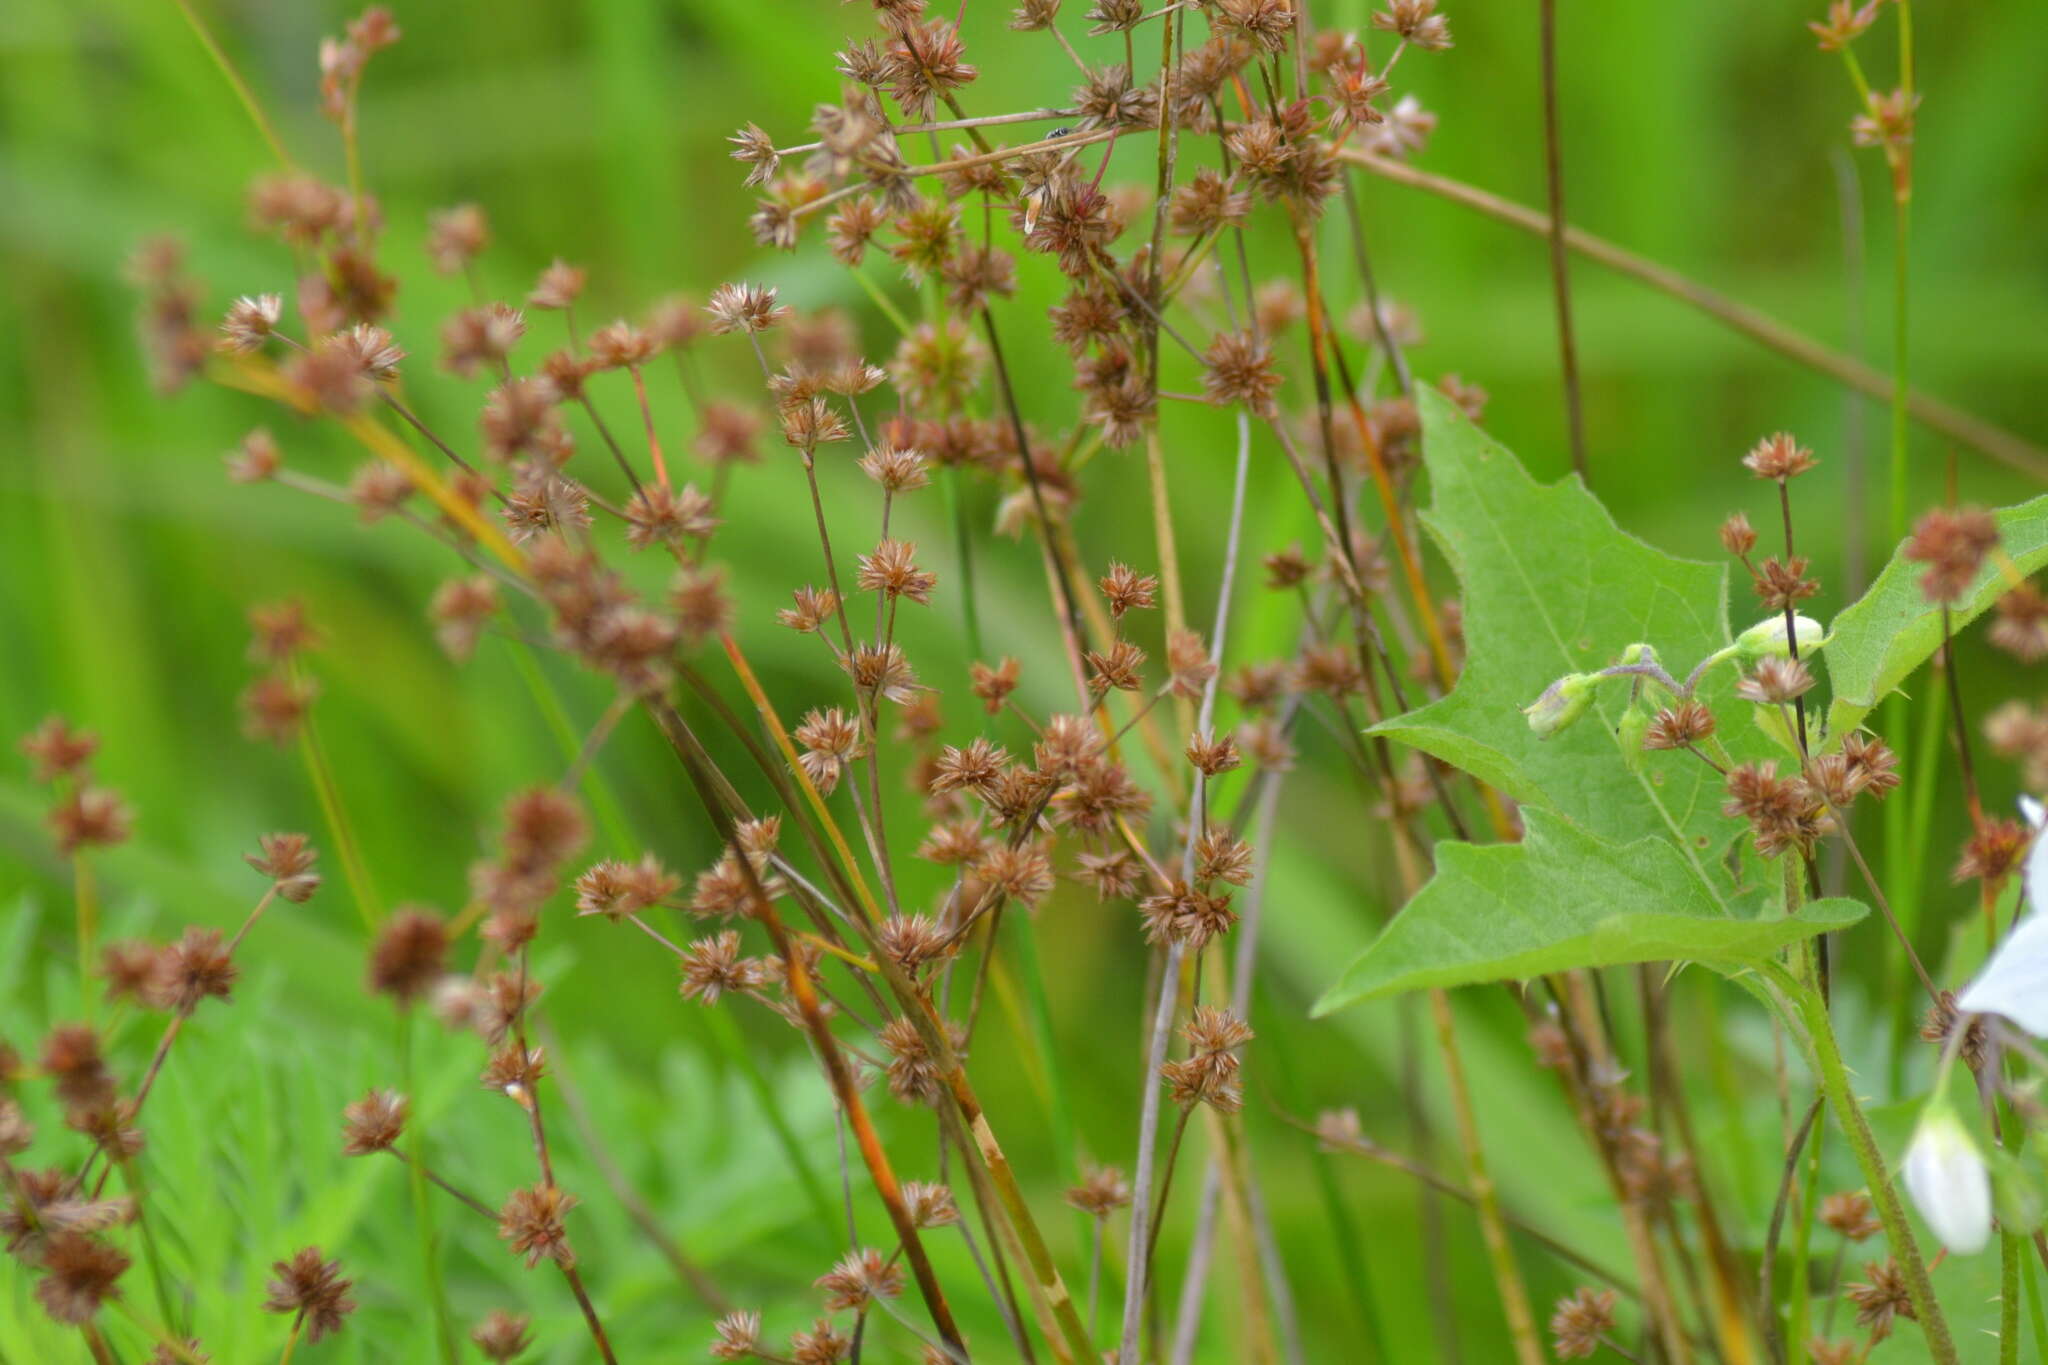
(1635, 723)
(1563, 702)
(1768, 636)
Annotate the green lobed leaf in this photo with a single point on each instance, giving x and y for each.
(1552, 586)
(1564, 898)
(1876, 642)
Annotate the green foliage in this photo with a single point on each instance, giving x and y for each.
(1552, 586)
(1614, 868)
(1562, 899)
(1875, 644)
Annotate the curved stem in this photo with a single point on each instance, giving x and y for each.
(1834, 1075)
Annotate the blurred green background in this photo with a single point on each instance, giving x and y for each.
(1711, 138)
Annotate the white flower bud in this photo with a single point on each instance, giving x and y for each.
(1948, 1180)
(1768, 636)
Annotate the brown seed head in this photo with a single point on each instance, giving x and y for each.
(456, 237)
(502, 1336)
(1579, 1322)
(373, 1123)
(56, 750)
(531, 1224)
(1845, 22)
(859, 1277)
(409, 955)
(1778, 457)
(2021, 629)
(1775, 681)
(1679, 725)
(1238, 368)
(1102, 1191)
(1993, 851)
(1881, 1298)
(1851, 1215)
(313, 1290)
(89, 817)
(1952, 544)
(1126, 589)
(744, 308)
(79, 1274)
(1782, 584)
(197, 967)
(1738, 537)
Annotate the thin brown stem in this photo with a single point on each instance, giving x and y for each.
(1966, 428)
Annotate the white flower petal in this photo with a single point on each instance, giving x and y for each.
(2033, 810)
(1949, 1183)
(2014, 983)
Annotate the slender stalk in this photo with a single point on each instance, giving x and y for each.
(2036, 1316)
(1139, 1241)
(1957, 425)
(804, 991)
(2009, 1258)
(963, 547)
(86, 896)
(422, 1205)
(353, 866)
(250, 105)
(1767, 1271)
(131, 1177)
(1849, 1115)
(1560, 266)
(1493, 1228)
(291, 1343)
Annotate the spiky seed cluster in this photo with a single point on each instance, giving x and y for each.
(502, 1336)
(373, 1123)
(1679, 726)
(1209, 1074)
(312, 1290)
(1778, 457)
(1952, 543)
(531, 1224)
(1775, 681)
(859, 1278)
(410, 955)
(1579, 1323)
(1784, 813)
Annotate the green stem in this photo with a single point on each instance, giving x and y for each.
(291, 1343)
(882, 301)
(1802, 1251)
(2010, 1255)
(422, 1203)
(1060, 1110)
(1908, 825)
(133, 1179)
(236, 83)
(1900, 393)
(1834, 1076)
(88, 902)
(2034, 1310)
(963, 540)
(336, 814)
(593, 785)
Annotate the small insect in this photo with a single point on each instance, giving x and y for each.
(1035, 200)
